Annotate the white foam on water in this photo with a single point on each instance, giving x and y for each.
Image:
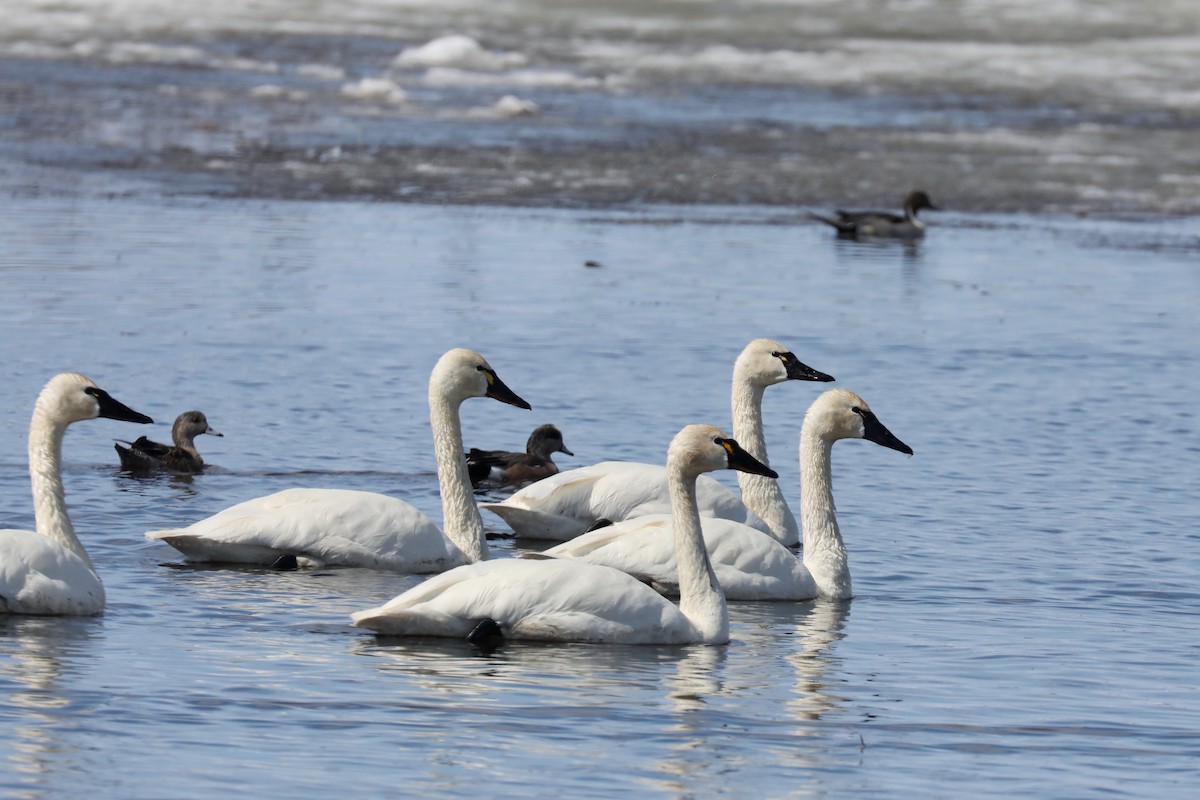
(328, 72)
(507, 107)
(1110, 52)
(378, 90)
(457, 51)
(529, 78)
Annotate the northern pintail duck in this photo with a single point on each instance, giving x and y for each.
(882, 224)
(507, 468)
(144, 455)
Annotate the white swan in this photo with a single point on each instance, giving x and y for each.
(341, 527)
(569, 601)
(749, 564)
(563, 506)
(47, 571)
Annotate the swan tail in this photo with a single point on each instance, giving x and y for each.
(412, 622)
(205, 549)
(537, 524)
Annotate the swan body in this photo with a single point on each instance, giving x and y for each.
(749, 564)
(322, 527)
(563, 600)
(339, 527)
(881, 224)
(143, 456)
(563, 506)
(48, 571)
(509, 468)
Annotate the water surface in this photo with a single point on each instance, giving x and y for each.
(1025, 613)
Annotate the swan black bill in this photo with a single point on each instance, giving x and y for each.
(797, 370)
(114, 409)
(875, 431)
(497, 390)
(742, 461)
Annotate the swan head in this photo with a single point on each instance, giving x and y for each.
(462, 373)
(546, 439)
(841, 414)
(70, 397)
(191, 424)
(766, 362)
(704, 448)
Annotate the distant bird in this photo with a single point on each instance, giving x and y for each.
(143, 455)
(515, 469)
(882, 224)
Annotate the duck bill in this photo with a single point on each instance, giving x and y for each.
(875, 431)
(497, 390)
(742, 461)
(211, 432)
(114, 409)
(797, 370)
(564, 449)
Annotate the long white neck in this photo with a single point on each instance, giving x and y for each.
(45, 476)
(761, 494)
(700, 597)
(460, 516)
(824, 551)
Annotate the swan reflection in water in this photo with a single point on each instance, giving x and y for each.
(35, 654)
(717, 692)
(686, 705)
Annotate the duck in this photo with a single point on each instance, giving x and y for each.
(749, 564)
(144, 456)
(312, 527)
(47, 571)
(563, 600)
(882, 224)
(514, 469)
(566, 504)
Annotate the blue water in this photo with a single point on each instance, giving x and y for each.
(1025, 620)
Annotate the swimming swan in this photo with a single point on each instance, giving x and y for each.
(749, 564)
(47, 571)
(143, 456)
(572, 601)
(507, 468)
(563, 506)
(342, 527)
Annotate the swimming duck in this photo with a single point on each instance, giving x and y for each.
(507, 468)
(47, 570)
(882, 224)
(144, 456)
